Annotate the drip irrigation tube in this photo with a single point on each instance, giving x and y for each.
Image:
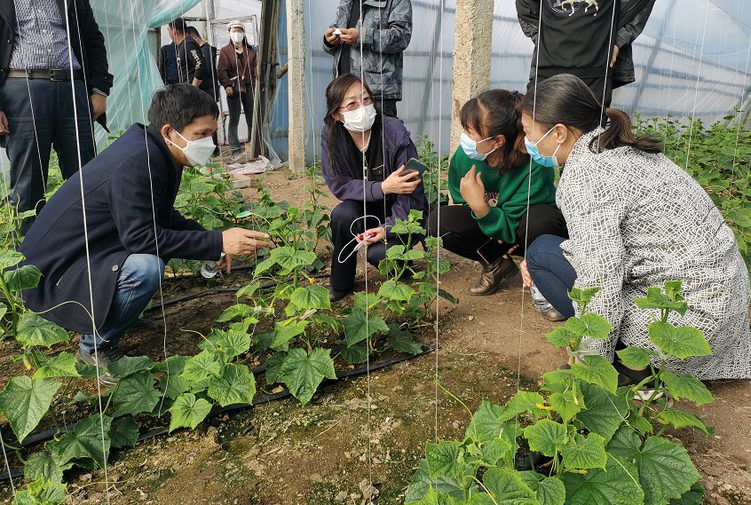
(190, 296)
(47, 435)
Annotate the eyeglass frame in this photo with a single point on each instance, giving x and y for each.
(358, 104)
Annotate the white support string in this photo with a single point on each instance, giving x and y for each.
(86, 238)
(696, 93)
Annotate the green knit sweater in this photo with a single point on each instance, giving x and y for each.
(506, 194)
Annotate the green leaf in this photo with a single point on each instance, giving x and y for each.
(289, 258)
(656, 300)
(273, 364)
(286, 331)
(599, 371)
(545, 436)
(135, 394)
(128, 366)
(248, 290)
(395, 290)
(62, 365)
(124, 433)
(33, 330)
(174, 365)
(84, 442)
(551, 491)
(524, 401)
(445, 459)
(237, 386)
(26, 277)
(562, 336)
(312, 297)
(233, 343)
(41, 465)
(566, 404)
(235, 311)
(402, 341)
(585, 453)
(202, 366)
(422, 483)
(494, 450)
(681, 342)
(636, 356)
(694, 496)
(582, 297)
(686, 386)
(434, 498)
(617, 484)
(9, 257)
(605, 412)
(41, 492)
(590, 325)
(665, 469)
(358, 326)
(486, 422)
(366, 304)
(24, 402)
(173, 386)
(302, 373)
(187, 411)
(507, 487)
(355, 354)
(681, 419)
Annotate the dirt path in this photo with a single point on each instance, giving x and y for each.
(325, 452)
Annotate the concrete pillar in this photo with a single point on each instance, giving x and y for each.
(473, 38)
(296, 80)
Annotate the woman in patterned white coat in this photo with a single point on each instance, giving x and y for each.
(635, 220)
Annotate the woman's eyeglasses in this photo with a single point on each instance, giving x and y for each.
(356, 105)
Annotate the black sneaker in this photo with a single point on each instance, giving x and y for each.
(106, 356)
(335, 296)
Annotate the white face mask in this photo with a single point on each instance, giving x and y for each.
(198, 151)
(237, 37)
(359, 120)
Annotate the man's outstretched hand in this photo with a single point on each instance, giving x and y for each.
(239, 241)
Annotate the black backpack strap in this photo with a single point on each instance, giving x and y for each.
(632, 9)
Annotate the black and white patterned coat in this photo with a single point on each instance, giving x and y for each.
(636, 220)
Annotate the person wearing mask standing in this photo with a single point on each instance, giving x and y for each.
(237, 69)
(39, 78)
(191, 67)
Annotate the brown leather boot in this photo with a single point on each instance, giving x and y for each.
(492, 275)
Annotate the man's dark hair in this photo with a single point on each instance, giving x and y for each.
(178, 25)
(179, 105)
(192, 32)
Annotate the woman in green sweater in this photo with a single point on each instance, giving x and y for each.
(489, 180)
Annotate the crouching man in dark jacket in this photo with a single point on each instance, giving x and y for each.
(132, 228)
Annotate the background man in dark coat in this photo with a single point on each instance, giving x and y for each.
(36, 97)
(131, 226)
(191, 67)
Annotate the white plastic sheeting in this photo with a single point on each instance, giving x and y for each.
(125, 25)
(691, 60)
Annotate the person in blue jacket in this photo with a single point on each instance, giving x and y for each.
(363, 154)
(131, 226)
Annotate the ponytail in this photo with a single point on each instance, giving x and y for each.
(619, 134)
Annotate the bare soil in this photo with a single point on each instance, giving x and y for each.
(369, 428)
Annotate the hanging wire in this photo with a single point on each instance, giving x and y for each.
(696, 93)
(86, 238)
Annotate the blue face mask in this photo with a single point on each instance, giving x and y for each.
(470, 147)
(534, 152)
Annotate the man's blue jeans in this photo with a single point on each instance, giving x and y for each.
(552, 273)
(138, 281)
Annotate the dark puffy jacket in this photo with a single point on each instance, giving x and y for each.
(384, 34)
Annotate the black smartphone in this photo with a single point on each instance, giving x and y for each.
(413, 165)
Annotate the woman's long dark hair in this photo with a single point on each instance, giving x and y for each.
(335, 93)
(565, 99)
(498, 112)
